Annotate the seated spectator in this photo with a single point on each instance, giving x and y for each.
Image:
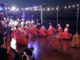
(29, 52)
(25, 56)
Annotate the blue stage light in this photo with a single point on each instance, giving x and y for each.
(1, 9)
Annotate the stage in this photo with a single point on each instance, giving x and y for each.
(44, 49)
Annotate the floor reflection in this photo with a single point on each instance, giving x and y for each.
(46, 49)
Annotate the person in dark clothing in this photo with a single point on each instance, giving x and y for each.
(1, 32)
(38, 26)
(29, 52)
(17, 55)
(3, 52)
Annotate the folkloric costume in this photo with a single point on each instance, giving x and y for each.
(43, 31)
(33, 30)
(51, 30)
(60, 30)
(66, 34)
(19, 36)
(76, 40)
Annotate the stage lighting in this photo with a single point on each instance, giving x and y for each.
(48, 9)
(27, 8)
(69, 6)
(1, 8)
(77, 5)
(17, 9)
(57, 8)
(65, 7)
(13, 8)
(73, 6)
(52, 9)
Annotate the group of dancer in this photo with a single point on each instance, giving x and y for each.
(22, 33)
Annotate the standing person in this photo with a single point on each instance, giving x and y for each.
(76, 40)
(66, 34)
(60, 32)
(43, 31)
(3, 52)
(51, 30)
(38, 26)
(1, 32)
(33, 31)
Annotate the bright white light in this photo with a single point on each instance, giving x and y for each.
(1, 8)
(57, 8)
(13, 43)
(27, 8)
(35, 7)
(32, 21)
(52, 9)
(65, 7)
(69, 6)
(73, 6)
(77, 5)
(13, 8)
(15, 23)
(17, 9)
(48, 9)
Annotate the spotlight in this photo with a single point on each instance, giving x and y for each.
(73, 6)
(1, 8)
(17, 9)
(77, 5)
(52, 9)
(27, 8)
(69, 6)
(48, 9)
(65, 7)
(57, 8)
(13, 8)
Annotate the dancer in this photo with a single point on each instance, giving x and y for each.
(51, 30)
(60, 30)
(19, 36)
(43, 31)
(66, 34)
(27, 32)
(33, 30)
(76, 40)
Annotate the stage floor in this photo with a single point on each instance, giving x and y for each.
(46, 49)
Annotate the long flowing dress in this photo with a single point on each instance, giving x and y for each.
(19, 36)
(76, 41)
(60, 32)
(66, 34)
(27, 32)
(51, 30)
(33, 31)
(43, 31)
